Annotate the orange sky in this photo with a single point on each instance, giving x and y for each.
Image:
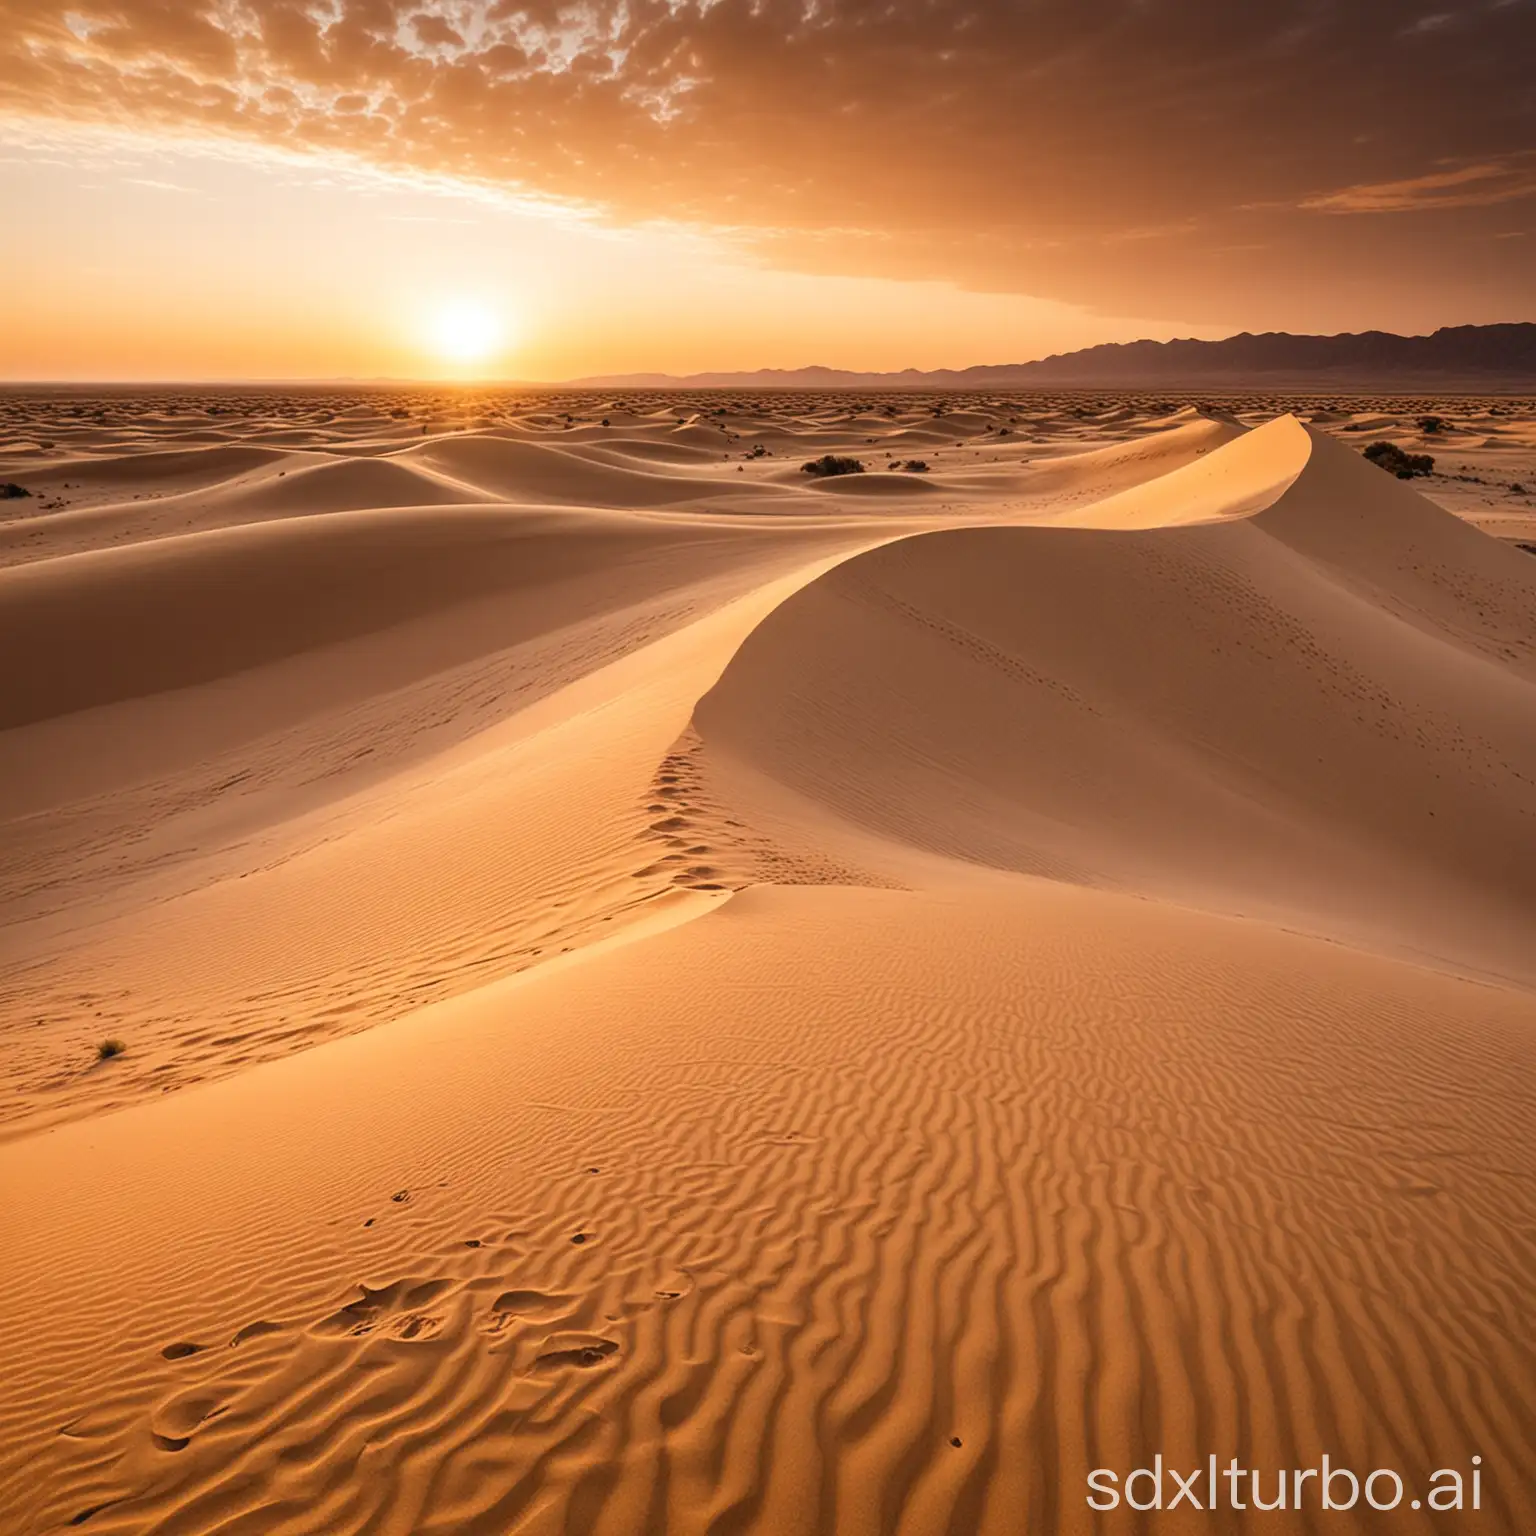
(271, 188)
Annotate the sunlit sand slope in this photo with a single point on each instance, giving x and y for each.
(117, 624)
(434, 770)
(1325, 713)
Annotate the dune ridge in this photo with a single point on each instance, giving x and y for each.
(659, 997)
(1236, 715)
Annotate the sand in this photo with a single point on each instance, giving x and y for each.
(662, 994)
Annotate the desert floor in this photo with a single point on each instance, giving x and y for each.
(659, 993)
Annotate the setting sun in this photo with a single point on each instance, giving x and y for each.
(466, 332)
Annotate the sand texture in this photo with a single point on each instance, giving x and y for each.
(660, 993)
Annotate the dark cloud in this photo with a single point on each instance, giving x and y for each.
(1178, 156)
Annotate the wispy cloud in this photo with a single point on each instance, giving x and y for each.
(1436, 21)
(1468, 186)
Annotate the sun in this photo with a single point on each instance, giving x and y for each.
(466, 332)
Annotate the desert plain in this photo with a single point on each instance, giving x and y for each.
(559, 973)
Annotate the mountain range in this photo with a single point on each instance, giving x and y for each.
(1470, 356)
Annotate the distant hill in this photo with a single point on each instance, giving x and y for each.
(1470, 356)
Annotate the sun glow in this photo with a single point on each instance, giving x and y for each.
(466, 333)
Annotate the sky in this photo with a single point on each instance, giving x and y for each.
(534, 190)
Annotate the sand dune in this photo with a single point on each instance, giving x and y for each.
(305, 485)
(536, 472)
(343, 485)
(626, 452)
(326, 579)
(1190, 486)
(1242, 715)
(174, 469)
(663, 996)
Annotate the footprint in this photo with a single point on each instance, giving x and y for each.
(91, 1425)
(257, 1330)
(535, 1304)
(417, 1325)
(176, 1421)
(581, 1351)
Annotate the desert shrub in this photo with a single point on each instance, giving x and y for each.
(10, 491)
(916, 466)
(833, 464)
(1433, 424)
(1405, 466)
(110, 1048)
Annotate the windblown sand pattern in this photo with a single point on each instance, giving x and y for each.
(661, 994)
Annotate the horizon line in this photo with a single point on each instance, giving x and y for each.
(663, 379)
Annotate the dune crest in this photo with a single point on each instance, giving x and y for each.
(1241, 715)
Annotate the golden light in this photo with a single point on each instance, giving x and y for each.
(466, 332)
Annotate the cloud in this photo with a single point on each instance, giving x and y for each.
(1436, 21)
(1470, 186)
(1092, 150)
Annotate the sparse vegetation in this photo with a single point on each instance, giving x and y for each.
(832, 464)
(110, 1048)
(10, 491)
(1405, 466)
(1432, 424)
(916, 466)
